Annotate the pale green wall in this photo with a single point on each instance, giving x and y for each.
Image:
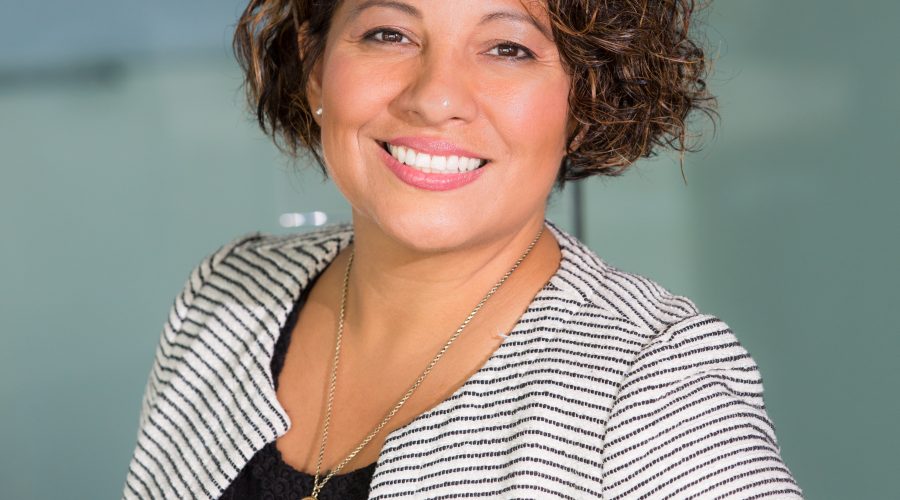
(113, 184)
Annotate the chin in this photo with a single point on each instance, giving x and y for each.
(431, 235)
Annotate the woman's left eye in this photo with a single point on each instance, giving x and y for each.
(386, 36)
(511, 51)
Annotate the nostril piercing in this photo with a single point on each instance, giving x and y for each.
(445, 103)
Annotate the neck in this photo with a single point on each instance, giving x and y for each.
(403, 296)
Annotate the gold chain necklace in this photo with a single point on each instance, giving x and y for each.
(317, 486)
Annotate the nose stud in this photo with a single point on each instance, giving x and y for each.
(445, 103)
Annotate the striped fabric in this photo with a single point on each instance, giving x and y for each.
(608, 386)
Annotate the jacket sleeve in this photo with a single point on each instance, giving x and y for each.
(177, 315)
(134, 486)
(690, 421)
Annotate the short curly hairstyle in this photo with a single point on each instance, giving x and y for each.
(636, 74)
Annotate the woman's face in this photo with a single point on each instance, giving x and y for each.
(477, 80)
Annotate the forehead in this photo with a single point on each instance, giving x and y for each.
(533, 12)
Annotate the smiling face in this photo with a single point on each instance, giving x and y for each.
(467, 84)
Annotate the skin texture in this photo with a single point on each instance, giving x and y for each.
(423, 259)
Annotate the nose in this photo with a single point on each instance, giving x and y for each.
(438, 90)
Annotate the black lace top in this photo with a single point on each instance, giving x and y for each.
(267, 476)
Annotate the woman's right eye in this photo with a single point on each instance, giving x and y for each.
(385, 36)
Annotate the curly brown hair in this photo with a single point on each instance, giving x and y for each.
(636, 75)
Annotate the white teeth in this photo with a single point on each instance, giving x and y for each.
(410, 158)
(433, 163)
(423, 160)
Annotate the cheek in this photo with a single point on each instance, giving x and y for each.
(355, 88)
(534, 114)
(348, 101)
(351, 102)
(532, 117)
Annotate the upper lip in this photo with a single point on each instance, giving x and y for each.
(433, 146)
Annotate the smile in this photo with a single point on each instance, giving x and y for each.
(433, 164)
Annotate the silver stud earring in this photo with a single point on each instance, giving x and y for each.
(319, 111)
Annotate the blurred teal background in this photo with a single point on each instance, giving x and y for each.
(126, 156)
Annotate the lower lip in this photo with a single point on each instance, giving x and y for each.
(424, 180)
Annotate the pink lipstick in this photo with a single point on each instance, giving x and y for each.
(431, 181)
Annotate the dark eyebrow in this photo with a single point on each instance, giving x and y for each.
(391, 4)
(519, 17)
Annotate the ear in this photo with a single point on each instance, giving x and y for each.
(314, 82)
(314, 89)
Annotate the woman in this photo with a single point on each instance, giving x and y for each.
(451, 342)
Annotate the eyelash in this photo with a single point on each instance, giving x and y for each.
(527, 54)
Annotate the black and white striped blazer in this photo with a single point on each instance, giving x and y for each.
(608, 386)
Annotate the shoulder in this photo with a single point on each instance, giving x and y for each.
(256, 270)
(270, 252)
(657, 334)
(626, 297)
(236, 299)
(323, 239)
(676, 338)
(685, 393)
